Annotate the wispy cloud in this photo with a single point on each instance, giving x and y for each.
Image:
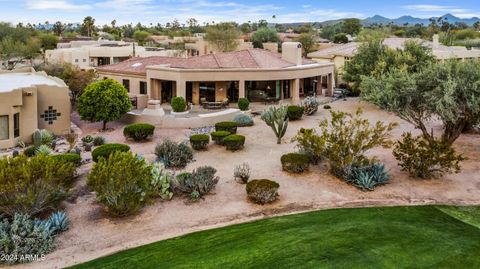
(441, 10)
(58, 5)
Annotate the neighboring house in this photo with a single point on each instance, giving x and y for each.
(91, 54)
(195, 45)
(202, 47)
(31, 100)
(257, 74)
(341, 54)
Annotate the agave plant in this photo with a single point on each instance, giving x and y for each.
(367, 177)
(59, 222)
(43, 149)
(277, 119)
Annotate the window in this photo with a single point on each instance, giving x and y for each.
(143, 87)
(126, 84)
(84, 60)
(207, 91)
(76, 60)
(16, 125)
(4, 127)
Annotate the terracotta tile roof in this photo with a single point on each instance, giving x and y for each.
(250, 58)
(350, 49)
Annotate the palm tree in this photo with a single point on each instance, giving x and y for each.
(88, 25)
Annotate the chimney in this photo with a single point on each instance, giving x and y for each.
(436, 41)
(292, 52)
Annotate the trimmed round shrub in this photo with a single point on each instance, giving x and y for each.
(228, 126)
(30, 151)
(234, 142)
(262, 191)
(123, 183)
(295, 112)
(199, 141)
(295, 162)
(243, 104)
(138, 131)
(218, 136)
(243, 120)
(104, 151)
(73, 158)
(178, 104)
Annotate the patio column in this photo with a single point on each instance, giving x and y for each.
(318, 85)
(329, 91)
(296, 91)
(155, 89)
(241, 89)
(196, 93)
(181, 88)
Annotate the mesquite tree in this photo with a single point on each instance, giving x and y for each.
(449, 91)
(277, 119)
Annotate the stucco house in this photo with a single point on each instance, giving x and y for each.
(342, 54)
(256, 74)
(91, 54)
(31, 100)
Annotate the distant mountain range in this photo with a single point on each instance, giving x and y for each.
(377, 19)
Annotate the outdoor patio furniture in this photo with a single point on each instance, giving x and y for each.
(225, 103)
(213, 105)
(270, 100)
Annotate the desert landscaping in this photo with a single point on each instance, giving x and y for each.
(93, 233)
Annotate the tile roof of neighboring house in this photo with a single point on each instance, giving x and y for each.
(349, 49)
(250, 58)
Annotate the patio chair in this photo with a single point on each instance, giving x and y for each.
(203, 102)
(225, 103)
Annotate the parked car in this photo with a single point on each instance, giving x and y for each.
(339, 93)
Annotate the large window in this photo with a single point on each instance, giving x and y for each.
(4, 127)
(126, 84)
(207, 91)
(16, 125)
(261, 90)
(143, 87)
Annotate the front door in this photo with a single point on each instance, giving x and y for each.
(167, 91)
(232, 93)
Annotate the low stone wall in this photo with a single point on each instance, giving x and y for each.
(169, 121)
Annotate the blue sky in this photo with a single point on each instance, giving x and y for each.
(154, 11)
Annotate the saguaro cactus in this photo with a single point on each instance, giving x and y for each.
(277, 119)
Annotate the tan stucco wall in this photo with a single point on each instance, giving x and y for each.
(85, 57)
(220, 76)
(271, 46)
(59, 100)
(339, 63)
(31, 102)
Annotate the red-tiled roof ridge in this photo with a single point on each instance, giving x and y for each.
(251, 55)
(247, 58)
(216, 60)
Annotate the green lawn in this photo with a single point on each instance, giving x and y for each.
(389, 237)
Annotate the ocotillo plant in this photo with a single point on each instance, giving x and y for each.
(277, 119)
